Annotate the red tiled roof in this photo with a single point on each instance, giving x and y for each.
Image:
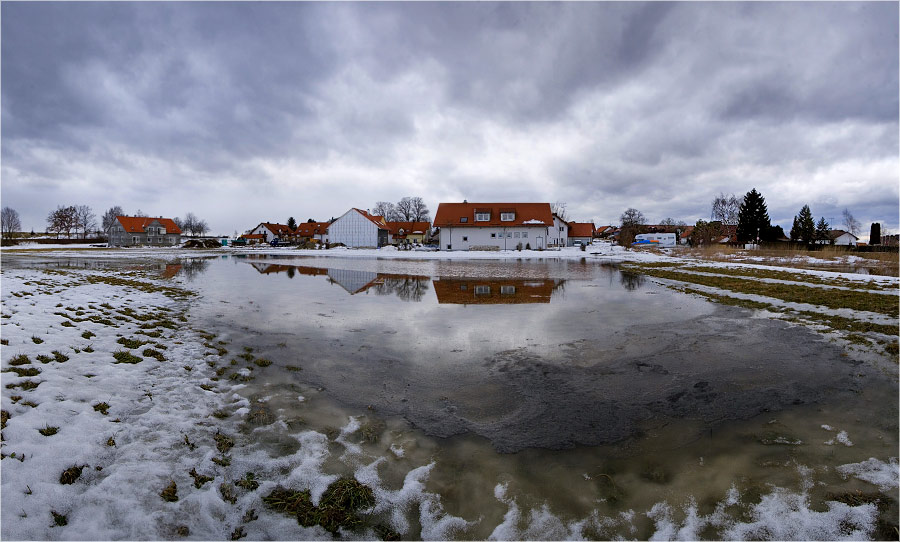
(252, 236)
(138, 224)
(375, 219)
(308, 229)
(277, 229)
(449, 214)
(581, 229)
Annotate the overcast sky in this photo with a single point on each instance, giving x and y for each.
(250, 112)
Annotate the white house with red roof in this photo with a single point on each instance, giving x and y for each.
(143, 230)
(357, 228)
(559, 232)
(266, 232)
(408, 232)
(493, 226)
(582, 232)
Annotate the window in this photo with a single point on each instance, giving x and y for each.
(507, 217)
(516, 235)
(465, 238)
(463, 287)
(493, 236)
(463, 219)
(524, 234)
(482, 290)
(508, 234)
(561, 228)
(507, 290)
(449, 247)
(482, 217)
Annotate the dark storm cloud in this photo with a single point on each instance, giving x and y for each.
(656, 105)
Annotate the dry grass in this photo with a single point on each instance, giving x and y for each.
(879, 263)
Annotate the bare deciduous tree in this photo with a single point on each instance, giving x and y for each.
(420, 211)
(559, 209)
(85, 220)
(63, 219)
(9, 221)
(850, 222)
(725, 209)
(404, 209)
(385, 209)
(188, 224)
(109, 217)
(632, 222)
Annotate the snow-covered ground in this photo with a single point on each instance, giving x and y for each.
(125, 431)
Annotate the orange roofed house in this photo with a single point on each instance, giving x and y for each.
(493, 226)
(143, 230)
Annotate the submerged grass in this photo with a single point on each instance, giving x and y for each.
(339, 507)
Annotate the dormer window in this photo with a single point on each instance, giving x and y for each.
(482, 217)
(507, 217)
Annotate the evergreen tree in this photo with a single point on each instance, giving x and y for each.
(804, 229)
(823, 230)
(291, 223)
(753, 218)
(875, 234)
(795, 230)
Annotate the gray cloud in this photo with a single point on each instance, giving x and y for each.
(257, 111)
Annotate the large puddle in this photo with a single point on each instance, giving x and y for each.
(552, 399)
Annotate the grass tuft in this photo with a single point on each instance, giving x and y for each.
(88, 334)
(24, 371)
(71, 474)
(170, 493)
(48, 431)
(58, 519)
(20, 359)
(199, 479)
(262, 362)
(36, 340)
(156, 354)
(123, 356)
(223, 442)
(131, 343)
(102, 408)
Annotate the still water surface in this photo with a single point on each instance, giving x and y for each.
(553, 399)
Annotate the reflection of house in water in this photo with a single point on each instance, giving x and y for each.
(406, 287)
(469, 291)
(353, 281)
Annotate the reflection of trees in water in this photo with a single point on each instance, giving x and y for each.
(631, 281)
(192, 267)
(406, 288)
(291, 271)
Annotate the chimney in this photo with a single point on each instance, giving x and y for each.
(465, 201)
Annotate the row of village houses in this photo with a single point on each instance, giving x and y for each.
(457, 226)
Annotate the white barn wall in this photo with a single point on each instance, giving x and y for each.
(353, 230)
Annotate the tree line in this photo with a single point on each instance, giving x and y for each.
(81, 220)
(408, 209)
(748, 220)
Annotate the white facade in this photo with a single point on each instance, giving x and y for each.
(559, 232)
(493, 237)
(353, 229)
(262, 230)
(846, 239)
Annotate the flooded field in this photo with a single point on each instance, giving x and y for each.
(542, 399)
(580, 390)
